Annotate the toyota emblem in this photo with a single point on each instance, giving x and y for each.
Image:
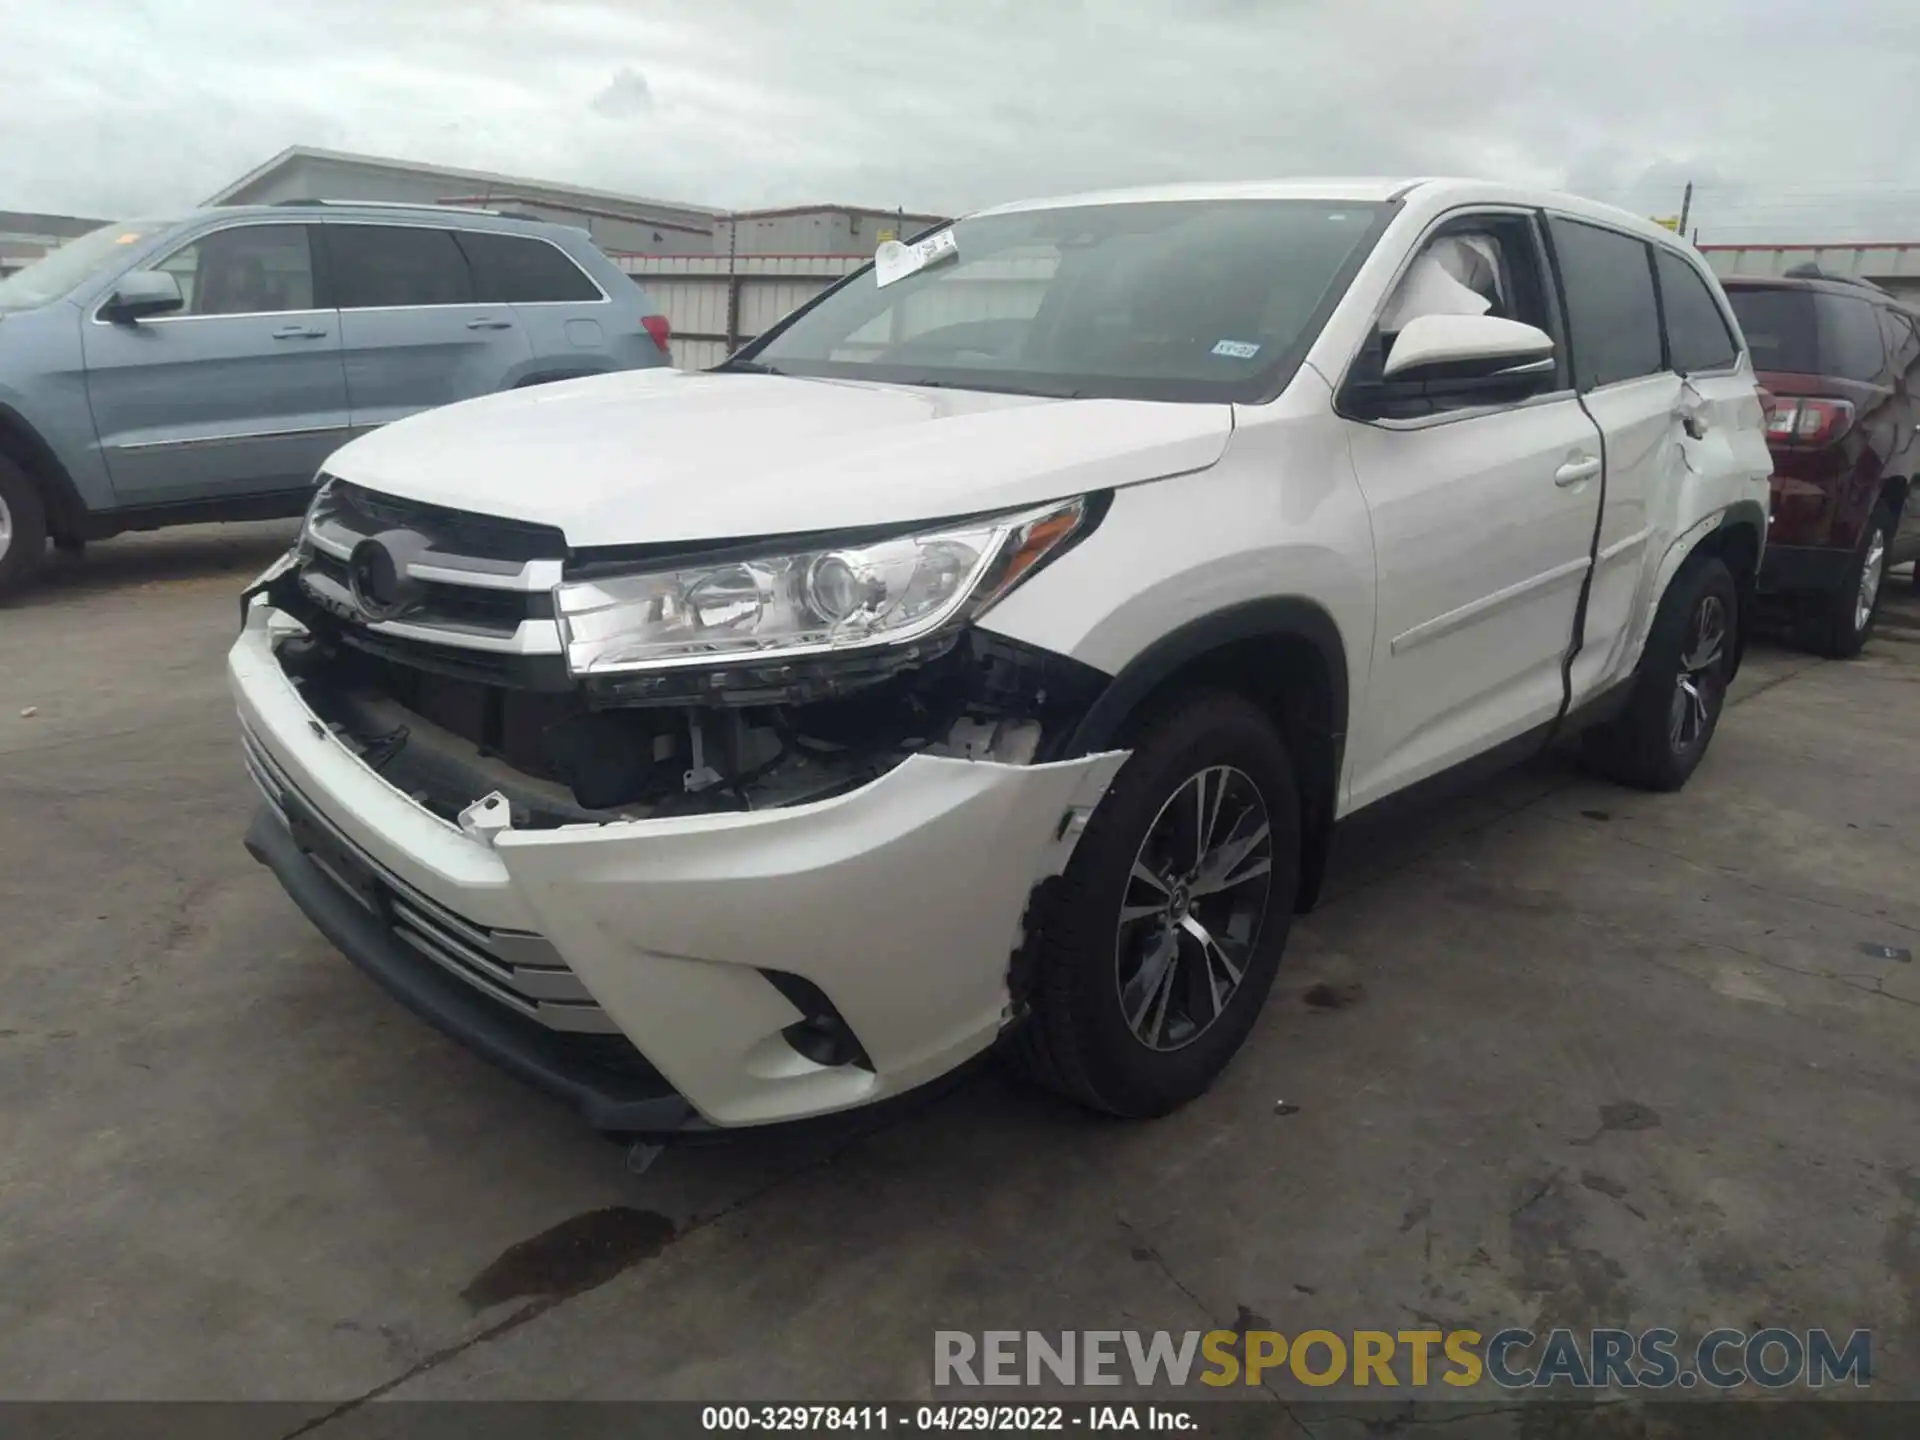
(377, 575)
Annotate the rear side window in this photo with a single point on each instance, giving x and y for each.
(396, 265)
(513, 269)
(1612, 317)
(1850, 342)
(1697, 334)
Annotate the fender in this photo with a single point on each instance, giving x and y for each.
(1318, 740)
(548, 377)
(1748, 514)
(66, 509)
(1272, 617)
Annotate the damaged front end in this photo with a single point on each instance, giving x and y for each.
(464, 657)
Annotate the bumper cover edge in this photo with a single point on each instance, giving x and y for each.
(605, 1100)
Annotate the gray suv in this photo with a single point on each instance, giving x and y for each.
(171, 372)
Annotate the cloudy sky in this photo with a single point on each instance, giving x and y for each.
(1795, 121)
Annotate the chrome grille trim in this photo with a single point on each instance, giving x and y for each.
(529, 637)
(517, 968)
(515, 564)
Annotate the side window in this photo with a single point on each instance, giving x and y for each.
(1476, 265)
(510, 269)
(246, 270)
(1850, 341)
(1697, 333)
(396, 265)
(1612, 317)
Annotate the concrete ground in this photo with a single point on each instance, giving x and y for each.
(1554, 1053)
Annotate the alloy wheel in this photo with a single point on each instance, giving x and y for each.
(1193, 907)
(1696, 688)
(1871, 574)
(6, 528)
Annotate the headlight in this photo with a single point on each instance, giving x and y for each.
(810, 601)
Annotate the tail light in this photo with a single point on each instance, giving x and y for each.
(659, 329)
(1796, 421)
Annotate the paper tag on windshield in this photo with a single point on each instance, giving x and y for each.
(1237, 349)
(894, 261)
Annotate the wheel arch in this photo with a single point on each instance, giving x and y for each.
(549, 377)
(24, 446)
(1737, 541)
(1285, 654)
(1896, 490)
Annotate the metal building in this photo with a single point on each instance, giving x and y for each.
(624, 224)
(814, 230)
(1892, 265)
(25, 237)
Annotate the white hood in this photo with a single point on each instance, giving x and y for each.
(664, 455)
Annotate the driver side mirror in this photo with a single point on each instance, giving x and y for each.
(142, 293)
(1442, 362)
(1467, 347)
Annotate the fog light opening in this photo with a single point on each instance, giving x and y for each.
(822, 1034)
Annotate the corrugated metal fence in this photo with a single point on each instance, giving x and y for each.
(716, 303)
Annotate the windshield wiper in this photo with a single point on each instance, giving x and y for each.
(746, 367)
(991, 389)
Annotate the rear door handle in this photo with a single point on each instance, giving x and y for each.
(1574, 471)
(485, 323)
(299, 332)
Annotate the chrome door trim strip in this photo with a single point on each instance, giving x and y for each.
(231, 438)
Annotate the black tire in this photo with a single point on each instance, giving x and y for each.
(1077, 1039)
(1842, 622)
(1659, 739)
(23, 528)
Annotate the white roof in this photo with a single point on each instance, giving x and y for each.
(1355, 189)
(1434, 191)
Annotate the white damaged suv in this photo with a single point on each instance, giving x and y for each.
(988, 651)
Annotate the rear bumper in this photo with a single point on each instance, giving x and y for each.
(1800, 569)
(901, 901)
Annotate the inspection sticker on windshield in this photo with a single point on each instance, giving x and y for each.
(894, 261)
(1237, 349)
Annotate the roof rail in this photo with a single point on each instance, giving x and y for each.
(391, 205)
(1811, 271)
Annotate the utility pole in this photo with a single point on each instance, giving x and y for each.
(1686, 205)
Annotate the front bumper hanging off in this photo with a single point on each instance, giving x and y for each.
(633, 968)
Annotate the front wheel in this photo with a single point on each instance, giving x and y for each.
(23, 528)
(1680, 687)
(1156, 952)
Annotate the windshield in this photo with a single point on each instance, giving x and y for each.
(56, 273)
(1177, 300)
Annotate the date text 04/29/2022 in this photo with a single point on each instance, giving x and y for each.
(961, 1418)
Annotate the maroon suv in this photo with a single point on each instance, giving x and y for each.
(1841, 360)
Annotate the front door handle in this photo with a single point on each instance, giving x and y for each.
(485, 323)
(1574, 471)
(299, 332)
